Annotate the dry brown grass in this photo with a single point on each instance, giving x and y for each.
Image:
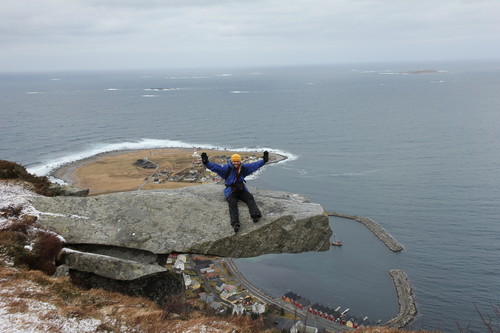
(117, 173)
(114, 311)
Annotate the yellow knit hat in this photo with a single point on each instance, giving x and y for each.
(236, 158)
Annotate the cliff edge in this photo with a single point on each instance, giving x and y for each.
(189, 220)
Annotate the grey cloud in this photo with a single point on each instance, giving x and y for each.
(317, 29)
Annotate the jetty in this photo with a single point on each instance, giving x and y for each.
(406, 299)
(374, 227)
(407, 306)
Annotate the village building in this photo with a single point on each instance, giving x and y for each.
(299, 327)
(207, 270)
(217, 307)
(297, 300)
(212, 277)
(207, 297)
(258, 308)
(180, 262)
(220, 286)
(195, 285)
(302, 303)
(238, 309)
(187, 280)
(172, 258)
(230, 296)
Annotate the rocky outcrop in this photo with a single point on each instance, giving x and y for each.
(188, 220)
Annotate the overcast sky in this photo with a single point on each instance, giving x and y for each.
(135, 34)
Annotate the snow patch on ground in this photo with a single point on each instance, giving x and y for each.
(37, 316)
(12, 195)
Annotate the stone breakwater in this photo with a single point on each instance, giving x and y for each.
(407, 306)
(374, 227)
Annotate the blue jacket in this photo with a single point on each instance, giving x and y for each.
(245, 170)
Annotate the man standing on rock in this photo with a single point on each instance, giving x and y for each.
(234, 174)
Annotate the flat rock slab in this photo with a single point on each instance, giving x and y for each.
(107, 266)
(189, 220)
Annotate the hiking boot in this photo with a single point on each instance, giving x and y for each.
(236, 228)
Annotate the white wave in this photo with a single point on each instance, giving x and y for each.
(302, 172)
(239, 92)
(34, 92)
(186, 77)
(55, 79)
(353, 174)
(112, 89)
(149, 96)
(46, 168)
(224, 75)
(160, 89)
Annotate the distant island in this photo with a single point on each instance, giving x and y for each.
(426, 71)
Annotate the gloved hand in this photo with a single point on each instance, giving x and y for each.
(204, 158)
(266, 156)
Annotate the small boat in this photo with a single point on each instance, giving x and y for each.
(335, 242)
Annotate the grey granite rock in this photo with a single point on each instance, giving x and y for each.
(190, 220)
(108, 266)
(62, 270)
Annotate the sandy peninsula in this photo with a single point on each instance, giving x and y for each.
(148, 169)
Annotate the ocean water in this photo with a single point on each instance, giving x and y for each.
(418, 153)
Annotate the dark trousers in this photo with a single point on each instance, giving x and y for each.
(247, 198)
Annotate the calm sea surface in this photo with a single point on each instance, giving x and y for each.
(418, 153)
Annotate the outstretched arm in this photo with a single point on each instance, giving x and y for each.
(252, 167)
(218, 169)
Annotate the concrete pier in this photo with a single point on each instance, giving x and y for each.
(407, 306)
(374, 227)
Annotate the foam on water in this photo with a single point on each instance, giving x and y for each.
(240, 92)
(46, 168)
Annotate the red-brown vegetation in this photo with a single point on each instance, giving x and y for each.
(14, 171)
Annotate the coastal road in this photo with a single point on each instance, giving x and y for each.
(147, 179)
(305, 316)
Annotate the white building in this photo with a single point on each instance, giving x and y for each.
(187, 280)
(238, 309)
(180, 262)
(258, 308)
(299, 328)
